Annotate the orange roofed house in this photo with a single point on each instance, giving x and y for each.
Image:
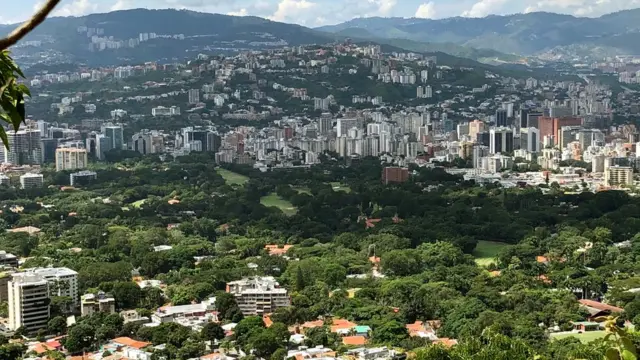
(597, 309)
(277, 250)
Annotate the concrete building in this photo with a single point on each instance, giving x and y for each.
(71, 159)
(500, 140)
(62, 281)
(258, 295)
(394, 175)
(618, 176)
(29, 181)
(530, 139)
(148, 142)
(344, 125)
(116, 134)
(5, 180)
(28, 302)
(82, 177)
(7, 259)
(194, 96)
(92, 303)
(25, 147)
(501, 118)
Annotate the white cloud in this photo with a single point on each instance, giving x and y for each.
(289, 10)
(76, 8)
(484, 8)
(385, 6)
(122, 5)
(426, 11)
(241, 12)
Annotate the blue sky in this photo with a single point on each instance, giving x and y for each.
(322, 12)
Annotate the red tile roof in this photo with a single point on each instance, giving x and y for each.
(127, 341)
(354, 340)
(600, 306)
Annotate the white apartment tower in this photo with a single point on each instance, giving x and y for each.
(28, 302)
(194, 96)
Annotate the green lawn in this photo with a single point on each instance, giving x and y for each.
(486, 251)
(302, 190)
(137, 204)
(585, 337)
(232, 178)
(340, 187)
(273, 200)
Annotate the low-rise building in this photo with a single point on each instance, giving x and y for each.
(258, 295)
(82, 177)
(92, 303)
(30, 181)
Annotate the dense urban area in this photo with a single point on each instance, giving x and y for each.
(346, 200)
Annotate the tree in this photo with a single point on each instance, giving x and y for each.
(127, 294)
(212, 332)
(264, 344)
(57, 325)
(80, 338)
(392, 332)
(245, 327)
(225, 303)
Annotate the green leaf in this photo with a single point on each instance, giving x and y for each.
(3, 136)
(628, 345)
(21, 110)
(628, 355)
(5, 86)
(612, 354)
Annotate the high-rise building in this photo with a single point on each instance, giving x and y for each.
(394, 175)
(550, 126)
(194, 96)
(532, 119)
(345, 124)
(148, 142)
(483, 138)
(49, 147)
(25, 147)
(501, 118)
(28, 296)
(428, 92)
(530, 139)
(103, 144)
(30, 181)
(71, 159)
(618, 176)
(116, 134)
(475, 127)
(523, 117)
(259, 295)
(209, 140)
(567, 134)
(500, 140)
(479, 152)
(62, 281)
(325, 124)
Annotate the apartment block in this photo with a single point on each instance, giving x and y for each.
(258, 295)
(62, 281)
(618, 176)
(28, 302)
(71, 159)
(7, 259)
(29, 181)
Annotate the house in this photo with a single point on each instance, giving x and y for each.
(583, 326)
(446, 342)
(597, 309)
(354, 340)
(420, 329)
(277, 250)
(129, 342)
(31, 230)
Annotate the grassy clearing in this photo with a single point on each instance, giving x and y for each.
(340, 187)
(273, 200)
(137, 204)
(486, 251)
(585, 337)
(232, 178)
(302, 190)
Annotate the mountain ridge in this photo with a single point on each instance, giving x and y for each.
(524, 34)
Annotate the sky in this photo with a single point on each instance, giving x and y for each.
(314, 13)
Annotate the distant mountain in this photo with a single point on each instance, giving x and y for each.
(128, 35)
(524, 34)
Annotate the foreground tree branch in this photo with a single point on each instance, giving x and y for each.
(28, 25)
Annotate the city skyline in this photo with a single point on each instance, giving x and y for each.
(314, 13)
